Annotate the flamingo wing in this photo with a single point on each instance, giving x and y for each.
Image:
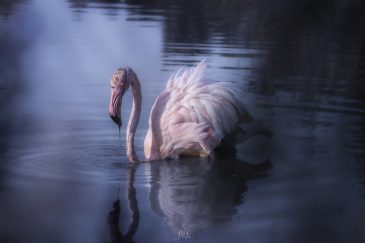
(194, 114)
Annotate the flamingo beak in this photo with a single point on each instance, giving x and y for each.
(115, 104)
(116, 120)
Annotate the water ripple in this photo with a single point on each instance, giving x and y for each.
(98, 162)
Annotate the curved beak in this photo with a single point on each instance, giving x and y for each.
(114, 106)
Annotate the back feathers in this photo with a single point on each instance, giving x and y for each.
(218, 103)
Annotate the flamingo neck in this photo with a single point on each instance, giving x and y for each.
(134, 117)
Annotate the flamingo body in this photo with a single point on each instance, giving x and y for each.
(192, 115)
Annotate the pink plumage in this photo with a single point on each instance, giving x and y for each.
(190, 117)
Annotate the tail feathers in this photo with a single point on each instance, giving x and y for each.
(186, 76)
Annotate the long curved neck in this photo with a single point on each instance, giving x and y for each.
(134, 117)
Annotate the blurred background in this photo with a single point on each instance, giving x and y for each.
(300, 63)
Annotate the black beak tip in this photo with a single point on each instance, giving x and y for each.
(116, 120)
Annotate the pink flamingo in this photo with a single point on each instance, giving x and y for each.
(191, 117)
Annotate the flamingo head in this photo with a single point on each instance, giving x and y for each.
(119, 84)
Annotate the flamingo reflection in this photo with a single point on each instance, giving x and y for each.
(192, 195)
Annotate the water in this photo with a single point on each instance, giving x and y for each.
(301, 65)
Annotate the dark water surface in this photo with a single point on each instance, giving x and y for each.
(301, 64)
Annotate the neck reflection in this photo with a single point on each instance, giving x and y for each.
(115, 235)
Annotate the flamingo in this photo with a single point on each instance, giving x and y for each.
(193, 116)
